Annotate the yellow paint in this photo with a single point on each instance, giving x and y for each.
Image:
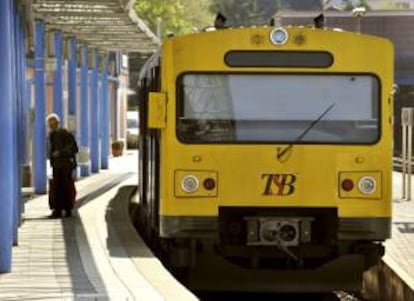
(240, 168)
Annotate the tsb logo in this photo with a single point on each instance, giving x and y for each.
(279, 184)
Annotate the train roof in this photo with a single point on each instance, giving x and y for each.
(397, 26)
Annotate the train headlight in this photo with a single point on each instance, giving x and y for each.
(279, 36)
(367, 185)
(190, 184)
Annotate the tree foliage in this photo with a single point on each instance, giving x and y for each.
(258, 12)
(302, 5)
(178, 16)
(246, 12)
(354, 3)
(182, 16)
(392, 4)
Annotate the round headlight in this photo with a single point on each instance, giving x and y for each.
(190, 184)
(367, 185)
(279, 36)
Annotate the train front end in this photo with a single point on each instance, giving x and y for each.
(275, 160)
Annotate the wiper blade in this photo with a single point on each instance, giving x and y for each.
(281, 153)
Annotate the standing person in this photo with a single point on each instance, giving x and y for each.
(62, 154)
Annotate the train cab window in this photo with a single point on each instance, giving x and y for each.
(278, 108)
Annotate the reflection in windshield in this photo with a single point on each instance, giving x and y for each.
(210, 95)
(278, 108)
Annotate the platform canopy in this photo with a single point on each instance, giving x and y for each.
(106, 24)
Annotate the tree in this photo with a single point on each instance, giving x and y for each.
(302, 5)
(391, 4)
(259, 12)
(246, 12)
(177, 16)
(197, 13)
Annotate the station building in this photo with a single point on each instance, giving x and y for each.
(70, 58)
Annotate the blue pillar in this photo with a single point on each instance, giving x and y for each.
(95, 129)
(27, 105)
(72, 85)
(84, 112)
(7, 171)
(25, 100)
(58, 79)
(39, 137)
(17, 112)
(117, 132)
(105, 116)
(73, 91)
(24, 109)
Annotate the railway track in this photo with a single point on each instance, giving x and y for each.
(242, 296)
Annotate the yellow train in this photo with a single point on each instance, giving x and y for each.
(265, 157)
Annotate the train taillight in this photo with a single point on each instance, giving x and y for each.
(347, 185)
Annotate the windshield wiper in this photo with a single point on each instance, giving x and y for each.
(281, 153)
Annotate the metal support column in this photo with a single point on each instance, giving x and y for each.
(72, 87)
(84, 159)
(73, 92)
(105, 115)
(7, 172)
(24, 113)
(118, 59)
(25, 100)
(39, 137)
(95, 128)
(407, 121)
(16, 106)
(58, 77)
(117, 107)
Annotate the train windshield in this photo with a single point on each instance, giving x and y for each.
(278, 108)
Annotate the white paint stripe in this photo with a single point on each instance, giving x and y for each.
(118, 273)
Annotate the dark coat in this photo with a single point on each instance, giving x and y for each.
(65, 144)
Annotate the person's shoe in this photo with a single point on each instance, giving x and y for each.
(68, 213)
(55, 215)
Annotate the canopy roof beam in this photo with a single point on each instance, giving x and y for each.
(108, 24)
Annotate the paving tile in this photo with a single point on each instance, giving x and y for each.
(73, 259)
(400, 249)
(47, 263)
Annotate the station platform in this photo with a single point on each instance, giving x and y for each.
(97, 254)
(94, 255)
(394, 278)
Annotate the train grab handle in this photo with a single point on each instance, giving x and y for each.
(157, 110)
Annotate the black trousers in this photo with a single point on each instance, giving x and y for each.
(62, 181)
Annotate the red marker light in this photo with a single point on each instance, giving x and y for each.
(209, 184)
(347, 185)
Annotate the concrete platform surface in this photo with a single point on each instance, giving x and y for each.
(393, 279)
(94, 255)
(400, 249)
